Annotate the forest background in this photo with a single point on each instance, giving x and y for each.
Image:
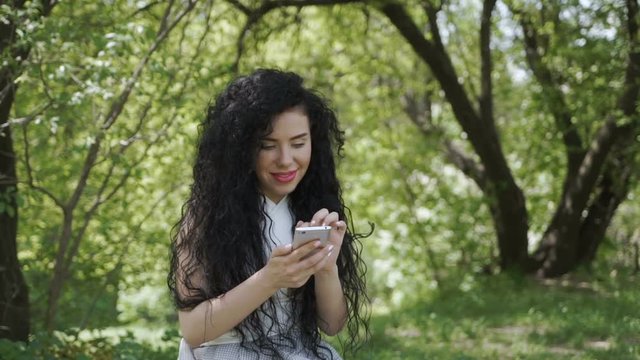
(494, 144)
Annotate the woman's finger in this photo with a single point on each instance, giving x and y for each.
(281, 250)
(341, 226)
(305, 249)
(318, 217)
(301, 224)
(330, 218)
(316, 258)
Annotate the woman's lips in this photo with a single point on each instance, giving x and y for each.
(285, 177)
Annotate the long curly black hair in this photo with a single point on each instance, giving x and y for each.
(220, 232)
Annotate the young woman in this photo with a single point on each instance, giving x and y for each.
(264, 165)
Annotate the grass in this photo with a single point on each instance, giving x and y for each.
(499, 317)
(504, 317)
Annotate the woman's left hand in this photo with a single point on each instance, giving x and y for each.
(338, 228)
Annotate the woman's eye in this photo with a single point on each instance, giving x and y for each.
(267, 147)
(298, 145)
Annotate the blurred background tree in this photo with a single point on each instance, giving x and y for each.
(481, 137)
(18, 20)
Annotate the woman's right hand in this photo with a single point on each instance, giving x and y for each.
(292, 269)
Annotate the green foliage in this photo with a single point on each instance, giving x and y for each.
(433, 229)
(72, 345)
(81, 60)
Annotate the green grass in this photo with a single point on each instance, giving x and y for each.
(499, 317)
(503, 317)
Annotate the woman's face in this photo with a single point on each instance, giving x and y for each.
(284, 154)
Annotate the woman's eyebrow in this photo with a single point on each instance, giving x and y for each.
(299, 136)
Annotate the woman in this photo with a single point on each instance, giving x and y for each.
(265, 162)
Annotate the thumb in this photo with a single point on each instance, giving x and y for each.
(281, 250)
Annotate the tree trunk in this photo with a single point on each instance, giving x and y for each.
(594, 227)
(612, 190)
(573, 238)
(59, 272)
(14, 295)
(559, 247)
(511, 224)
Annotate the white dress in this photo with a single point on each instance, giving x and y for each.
(278, 229)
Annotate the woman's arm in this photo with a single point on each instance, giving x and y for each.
(214, 317)
(332, 308)
(331, 304)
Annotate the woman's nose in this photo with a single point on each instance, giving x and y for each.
(285, 157)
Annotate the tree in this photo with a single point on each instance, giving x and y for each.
(590, 194)
(89, 146)
(68, 242)
(16, 18)
(599, 171)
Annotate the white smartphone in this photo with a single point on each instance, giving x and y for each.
(303, 235)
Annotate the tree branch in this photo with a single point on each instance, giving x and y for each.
(486, 67)
(460, 44)
(132, 234)
(75, 243)
(420, 114)
(165, 17)
(118, 105)
(30, 181)
(577, 194)
(436, 57)
(254, 17)
(466, 164)
(144, 8)
(432, 15)
(629, 97)
(240, 6)
(164, 31)
(554, 97)
(25, 120)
